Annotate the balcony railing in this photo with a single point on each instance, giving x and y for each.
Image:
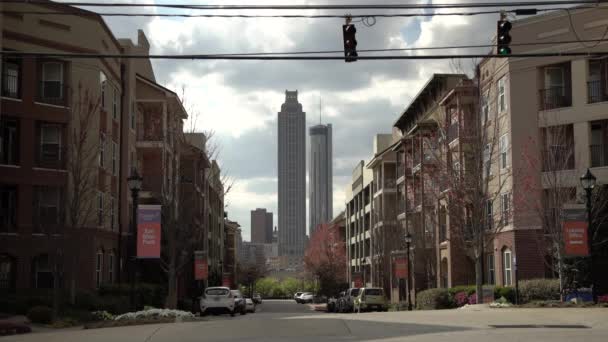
(453, 131)
(555, 97)
(390, 183)
(599, 155)
(53, 93)
(595, 92)
(10, 85)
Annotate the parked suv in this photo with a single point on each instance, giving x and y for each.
(371, 299)
(239, 302)
(346, 302)
(217, 300)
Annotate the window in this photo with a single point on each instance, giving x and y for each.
(555, 79)
(485, 106)
(507, 268)
(52, 80)
(8, 209)
(491, 274)
(103, 80)
(505, 208)
(50, 145)
(504, 146)
(7, 272)
(9, 142)
(114, 155)
(487, 162)
(115, 103)
(48, 206)
(100, 208)
(111, 268)
(502, 101)
(43, 276)
(489, 215)
(11, 80)
(98, 269)
(112, 213)
(102, 147)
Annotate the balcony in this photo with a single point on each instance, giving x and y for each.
(599, 155)
(51, 157)
(453, 132)
(555, 97)
(53, 93)
(10, 85)
(596, 92)
(558, 158)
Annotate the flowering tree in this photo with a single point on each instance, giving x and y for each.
(325, 258)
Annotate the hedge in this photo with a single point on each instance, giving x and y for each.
(507, 292)
(40, 314)
(538, 289)
(433, 299)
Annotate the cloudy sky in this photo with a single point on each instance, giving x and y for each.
(239, 100)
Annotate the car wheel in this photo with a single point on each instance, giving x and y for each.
(231, 313)
(243, 312)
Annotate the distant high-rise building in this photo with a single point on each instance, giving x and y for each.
(320, 177)
(292, 179)
(261, 226)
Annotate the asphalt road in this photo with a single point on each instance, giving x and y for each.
(287, 321)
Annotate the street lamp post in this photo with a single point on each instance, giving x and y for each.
(588, 183)
(134, 183)
(408, 242)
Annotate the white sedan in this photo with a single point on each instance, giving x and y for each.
(306, 297)
(249, 305)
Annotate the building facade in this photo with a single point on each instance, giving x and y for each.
(292, 179)
(232, 229)
(320, 195)
(261, 226)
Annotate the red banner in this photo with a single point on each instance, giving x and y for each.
(575, 238)
(401, 267)
(201, 268)
(227, 280)
(148, 231)
(357, 280)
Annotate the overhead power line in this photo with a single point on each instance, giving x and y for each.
(303, 58)
(326, 7)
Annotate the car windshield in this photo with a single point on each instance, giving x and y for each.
(216, 292)
(354, 292)
(373, 292)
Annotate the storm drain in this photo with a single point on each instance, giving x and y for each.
(532, 326)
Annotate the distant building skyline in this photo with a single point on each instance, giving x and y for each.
(320, 176)
(261, 226)
(292, 179)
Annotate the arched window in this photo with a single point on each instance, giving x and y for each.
(42, 272)
(507, 267)
(99, 268)
(7, 272)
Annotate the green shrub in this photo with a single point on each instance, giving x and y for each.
(146, 294)
(40, 314)
(88, 301)
(507, 292)
(13, 305)
(468, 289)
(538, 290)
(434, 299)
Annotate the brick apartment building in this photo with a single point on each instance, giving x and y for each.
(130, 122)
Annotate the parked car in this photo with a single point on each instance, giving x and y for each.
(347, 300)
(306, 297)
(371, 299)
(217, 300)
(239, 302)
(331, 304)
(249, 305)
(257, 299)
(296, 296)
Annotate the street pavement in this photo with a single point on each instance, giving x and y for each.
(288, 321)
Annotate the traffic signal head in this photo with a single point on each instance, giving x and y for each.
(350, 43)
(503, 39)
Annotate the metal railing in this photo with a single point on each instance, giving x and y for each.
(555, 97)
(599, 155)
(10, 85)
(595, 92)
(54, 93)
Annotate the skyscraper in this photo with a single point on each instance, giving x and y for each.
(292, 179)
(320, 176)
(261, 226)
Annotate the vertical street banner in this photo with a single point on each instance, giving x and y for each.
(401, 267)
(357, 279)
(575, 230)
(148, 231)
(201, 268)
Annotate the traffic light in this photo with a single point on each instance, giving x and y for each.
(350, 43)
(503, 39)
